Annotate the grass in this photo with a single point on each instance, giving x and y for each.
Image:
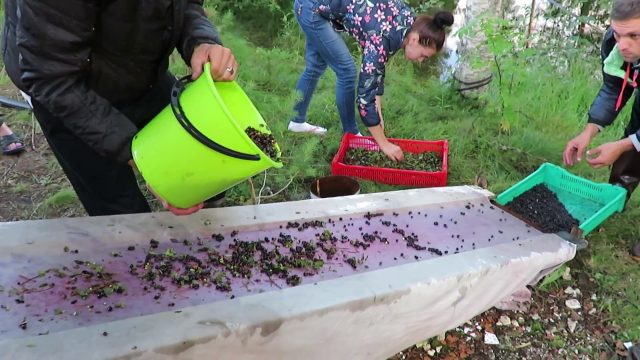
(520, 124)
(557, 343)
(63, 197)
(618, 276)
(19, 188)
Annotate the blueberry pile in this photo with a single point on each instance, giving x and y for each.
(541, 206)
(266, 142)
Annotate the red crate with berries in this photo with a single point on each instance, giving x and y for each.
(425, 163)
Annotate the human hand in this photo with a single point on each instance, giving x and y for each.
(606, 154)
(223, 64)
(574, 151)
(173, 209)
(392, 151)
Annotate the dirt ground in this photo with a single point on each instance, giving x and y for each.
(547, 329)
(32, 185)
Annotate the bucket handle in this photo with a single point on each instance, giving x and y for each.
(178, 112)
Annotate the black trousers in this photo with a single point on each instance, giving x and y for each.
(626, 170)
(103, 186)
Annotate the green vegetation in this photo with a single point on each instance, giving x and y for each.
(63, 197)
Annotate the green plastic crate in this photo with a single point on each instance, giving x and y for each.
(589, 202)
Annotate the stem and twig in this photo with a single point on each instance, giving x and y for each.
(530, 27)
(273, 282)
(495, 59)
(264, 182)
(253, 191)
(41, 288)
(7, 171)
(279, 191)
(30, 279)
(33, 132)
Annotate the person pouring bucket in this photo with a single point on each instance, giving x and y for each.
(97, 72)
(381, 28)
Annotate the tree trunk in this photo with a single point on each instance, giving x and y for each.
(530, 27)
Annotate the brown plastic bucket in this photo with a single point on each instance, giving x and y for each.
(333, 186)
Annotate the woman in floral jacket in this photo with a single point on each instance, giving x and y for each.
(381, 27)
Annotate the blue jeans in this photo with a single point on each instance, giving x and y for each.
(324, 46)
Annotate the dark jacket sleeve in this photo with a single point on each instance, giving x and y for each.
(196, 30)
(603, 109)
(57, 78)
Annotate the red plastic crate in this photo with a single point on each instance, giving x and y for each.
(392, 176)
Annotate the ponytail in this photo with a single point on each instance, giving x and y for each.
(431, 29)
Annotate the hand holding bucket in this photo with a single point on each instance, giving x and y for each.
(165, 204)
(222, 62)
(173, 209)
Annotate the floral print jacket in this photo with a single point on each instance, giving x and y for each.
(380, 27)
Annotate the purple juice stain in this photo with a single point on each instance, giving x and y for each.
(49, 301)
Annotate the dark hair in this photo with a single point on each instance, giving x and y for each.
(430, 29)
(625, 10)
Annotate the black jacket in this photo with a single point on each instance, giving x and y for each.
(603, 109)
(84, 59)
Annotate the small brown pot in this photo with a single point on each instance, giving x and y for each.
(333, 186)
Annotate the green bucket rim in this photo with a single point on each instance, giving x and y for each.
(216, 94)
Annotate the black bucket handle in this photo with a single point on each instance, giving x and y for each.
(176, 91)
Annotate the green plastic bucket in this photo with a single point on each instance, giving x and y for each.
(197, 147)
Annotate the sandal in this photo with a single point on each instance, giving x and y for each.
(7, 140)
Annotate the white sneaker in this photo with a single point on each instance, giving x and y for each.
(306, 127)
(364, 143)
